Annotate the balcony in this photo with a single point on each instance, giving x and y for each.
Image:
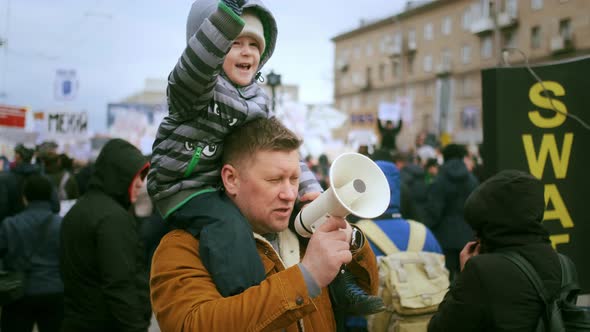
(410, 46)
(561, 44)
(393, 50)
(342, 65)
(485, 24)
(507, 20)
(443, 69)
(482, 25)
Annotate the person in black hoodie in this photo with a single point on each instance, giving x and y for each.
(491, 293)
(102, 258)
(29, 243)
(444, 208)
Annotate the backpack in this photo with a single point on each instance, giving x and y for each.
(561, 313)
(412, 283)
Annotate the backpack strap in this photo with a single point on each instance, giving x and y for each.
(417, 236)
(377, 236)
(529, 271)
(534, 278)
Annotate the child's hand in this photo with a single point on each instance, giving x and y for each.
(235, 5)
(308, 197)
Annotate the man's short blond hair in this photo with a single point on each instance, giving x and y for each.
(258, 135)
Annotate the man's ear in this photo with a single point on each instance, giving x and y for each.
(229, 176)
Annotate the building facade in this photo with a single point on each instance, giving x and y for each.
(427, 60)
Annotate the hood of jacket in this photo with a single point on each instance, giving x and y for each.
(393, 179)
(454, 169)
(507, 210)
(115, 168)
(411, 173)
(202, 9)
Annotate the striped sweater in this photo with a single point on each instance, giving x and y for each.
(204, 107)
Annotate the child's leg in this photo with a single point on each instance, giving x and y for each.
(347, 297)
(226, 242)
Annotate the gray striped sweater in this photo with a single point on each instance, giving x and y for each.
(204, 106)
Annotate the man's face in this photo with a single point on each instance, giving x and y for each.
(241, 63)
(266, 189)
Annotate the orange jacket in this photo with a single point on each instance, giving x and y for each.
(184, 297)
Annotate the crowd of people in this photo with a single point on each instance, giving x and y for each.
(200, 234)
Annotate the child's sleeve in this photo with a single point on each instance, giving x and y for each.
(191, 82)
(307, 181)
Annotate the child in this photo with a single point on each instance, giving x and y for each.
(211, 90)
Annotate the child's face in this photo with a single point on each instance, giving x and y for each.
(241, 63)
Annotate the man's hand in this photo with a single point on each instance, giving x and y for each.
(471, 249)
(309, 197)
(235, 5)
(328, 249)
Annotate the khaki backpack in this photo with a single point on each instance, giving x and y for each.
(412, 283)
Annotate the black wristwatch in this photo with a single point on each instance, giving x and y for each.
(357, 239)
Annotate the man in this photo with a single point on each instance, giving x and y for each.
(444, 207)
(491, 293)
(389, 133)
(260, 175)
(102, 260)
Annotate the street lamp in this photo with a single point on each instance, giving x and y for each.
(273, 80)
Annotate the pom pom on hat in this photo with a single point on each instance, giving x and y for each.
(254, 29)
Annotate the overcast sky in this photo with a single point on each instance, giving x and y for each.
(114, 45)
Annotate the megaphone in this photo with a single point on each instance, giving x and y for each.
(357, 186)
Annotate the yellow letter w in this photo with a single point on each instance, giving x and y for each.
(548, 147)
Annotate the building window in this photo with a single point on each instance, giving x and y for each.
(509, 38)
(385, 42)
(345, 104)
(466, 19)
(411, 58)
(466, 86)
(447, 25)
(536, 4)
(369, 49)
(357, 52)
(512, 8)
(428, 31)
(382, 72)
(466, 54)
(397, 42)
(396, 68)
(411, 92)
(484, 8)
(356, 103)
(565, 29)
(412, 39)
(446, 58)
(486, 47)
(428, 89)
(535, 37)
(427, 63)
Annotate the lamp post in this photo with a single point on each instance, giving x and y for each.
(273, 80)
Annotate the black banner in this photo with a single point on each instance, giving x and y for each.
(522, 130)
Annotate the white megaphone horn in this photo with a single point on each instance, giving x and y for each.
(357, 186)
